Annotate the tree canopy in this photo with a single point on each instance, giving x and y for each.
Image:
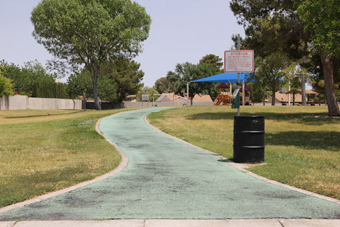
(268, 74)
(6, 87)
(116, 81)
(272, 26)
(295, 29)
(79, 84)
(323, 19)
(32, 80)
(187, 72)
(162, 85)
(90, 33)
(126, 75)
(214, 61)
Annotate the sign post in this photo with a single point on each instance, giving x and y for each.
(145, 98)
(245, 149)
(240, 61)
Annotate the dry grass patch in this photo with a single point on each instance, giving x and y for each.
(43, 151)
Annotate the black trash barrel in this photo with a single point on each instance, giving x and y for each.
(249, 139)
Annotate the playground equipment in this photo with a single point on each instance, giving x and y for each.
(223, 97)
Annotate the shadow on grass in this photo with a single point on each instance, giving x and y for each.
(211, 116)
(40, 115)
(317, 118)
(308, 140)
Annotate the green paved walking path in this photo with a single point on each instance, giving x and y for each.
(168, 179)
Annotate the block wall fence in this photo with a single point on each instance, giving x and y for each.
(21, 102)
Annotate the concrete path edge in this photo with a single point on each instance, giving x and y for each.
(179, 223)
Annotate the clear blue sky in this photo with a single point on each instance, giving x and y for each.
(181, 31)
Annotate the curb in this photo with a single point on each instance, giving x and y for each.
(180, 223)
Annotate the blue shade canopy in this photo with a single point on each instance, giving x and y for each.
(224, 78)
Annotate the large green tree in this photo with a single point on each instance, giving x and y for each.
(269, 73)
(107, 89)
(323, 19)
(26, 78)
(12, 72)
(162, 85)
(315, 67)
(117, 80)
(90, 33)
(184, 73)
(46, 87)
(273, 27)
(79, 84)
(214, 61)
(126, 76)
(6, 87)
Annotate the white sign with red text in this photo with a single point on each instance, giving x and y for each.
(239, 61)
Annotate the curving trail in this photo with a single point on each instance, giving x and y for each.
(168, 179)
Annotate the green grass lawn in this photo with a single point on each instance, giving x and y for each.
(43, 151)
(302, 144)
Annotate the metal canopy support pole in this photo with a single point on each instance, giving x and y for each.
(238, 74)
(231, 90)
(303, 90)
(238, 86)
(243, 93)
(187, 94)
(289, 93)
(303, 84)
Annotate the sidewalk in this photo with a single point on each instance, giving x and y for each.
(178, 223)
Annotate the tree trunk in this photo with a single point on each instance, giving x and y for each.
(191, 100)
(95, 90)
(303, 90)
(264, 99)
(333, 108)
(303, 82)
(6, 97)
(84, 103)
(273, 95)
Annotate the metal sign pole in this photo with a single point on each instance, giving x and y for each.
(238, 74)
(187, 94)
